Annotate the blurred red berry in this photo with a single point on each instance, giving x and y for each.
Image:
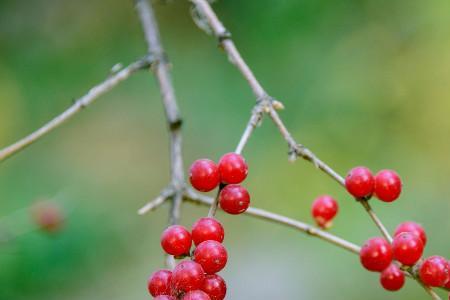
(187, 276)
(159, 283)
(204, 175)
(376, 254)
(176, 240)
(232, 168)
(388, 185)
(392, 278)
(48, 216)
(196, 295)
(360, 182)
(413, 228)
(234, 199)
(323, 210)
(434, 271)
(215, 287)
(407, 248)
(211, 255)
(205, 229)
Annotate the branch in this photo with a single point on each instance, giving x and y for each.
(194, 197)
(76, 107)
(161, 69)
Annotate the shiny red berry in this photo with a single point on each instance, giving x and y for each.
(164, 297)
(232, 168)
(234, 199)
(205, 229)
(176, 240)
(407, 248)
(187, 276)
(215, 287)
(159, 283)
(204, 175)
(376, 254)
(413, 228)
(434, 271)
(360, 182)
(323, 210)
(196, 295)
(388, 185)
(211, 255)
(392, 278)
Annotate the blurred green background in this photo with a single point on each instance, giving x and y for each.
(363, 82)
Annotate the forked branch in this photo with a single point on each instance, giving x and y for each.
(95, 92)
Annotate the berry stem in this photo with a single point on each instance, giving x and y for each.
(215, 202)
(375, 219)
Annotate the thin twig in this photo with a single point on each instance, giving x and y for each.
(255, 119)
(194, 197)
(158, 201)
(76, 107)
(161, 69)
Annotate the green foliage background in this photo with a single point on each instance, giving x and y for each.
(363, 82)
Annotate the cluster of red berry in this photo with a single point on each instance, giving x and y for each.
(377, 254)
(196, 279)
(360, 182)
(205, 175)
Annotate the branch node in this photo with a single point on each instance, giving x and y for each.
(225, 35)
(176, 124)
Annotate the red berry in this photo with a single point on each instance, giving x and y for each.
(376, 254)
(359, 182)
(434, 271)
(176, 240)
(388, 185)
(407, 248)
(324, 209)
(164, 297)
(211, 255)
(215, 287)
(48, 216)
(234, 199)
(187, 276)
(196, 295)
(392, 278)
(232, 168)
(205, 229)
(413, 228)
(159, 283)
(204, 175)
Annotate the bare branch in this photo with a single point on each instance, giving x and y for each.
(255, 119)
(158, 201)
(76, 107)
(194, 197)
(161, 70)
